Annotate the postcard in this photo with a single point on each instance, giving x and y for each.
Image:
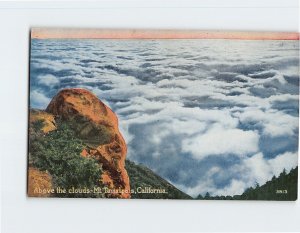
(163, 114)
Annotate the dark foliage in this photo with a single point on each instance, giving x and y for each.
(284, 188)
(89, 133)
(58, 152)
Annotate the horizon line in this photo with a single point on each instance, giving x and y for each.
(90, 33)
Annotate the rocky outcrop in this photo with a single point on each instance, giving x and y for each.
(39, 183)
(47, 120)
(97, 125)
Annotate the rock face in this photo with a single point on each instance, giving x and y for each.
(97, 126)
(48, 120)
(39, 183)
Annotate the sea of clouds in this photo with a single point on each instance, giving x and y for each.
(211, 116)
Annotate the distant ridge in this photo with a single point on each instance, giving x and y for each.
(142, 177)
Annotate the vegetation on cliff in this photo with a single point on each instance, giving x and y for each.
(96, 126)
(58, 152)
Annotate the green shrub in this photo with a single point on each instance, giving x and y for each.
(58, 152)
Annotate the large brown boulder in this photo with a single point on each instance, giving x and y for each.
(97, 125)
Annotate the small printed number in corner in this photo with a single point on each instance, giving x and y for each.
(281, 191)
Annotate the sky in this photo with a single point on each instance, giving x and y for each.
(59, 33)
(213, 115)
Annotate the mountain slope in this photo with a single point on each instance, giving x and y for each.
(282, 188)
(142, 177)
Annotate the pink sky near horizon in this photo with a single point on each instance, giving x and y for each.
(79, 33)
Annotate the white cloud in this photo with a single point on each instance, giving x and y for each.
(139, 104)
(207, 184)
(204, 184)
(236, 187)
(175, 110)
(276, 75)
(261, 169)
(187, 127)
(274, 122)
(38, 99)
(222, 141)
(248, 100)
(48, 80)
(286, 160)
(283, 98)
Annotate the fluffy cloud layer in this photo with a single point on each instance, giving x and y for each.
(221, 141)
(48, 80)
(283, 125)
(208, 115)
